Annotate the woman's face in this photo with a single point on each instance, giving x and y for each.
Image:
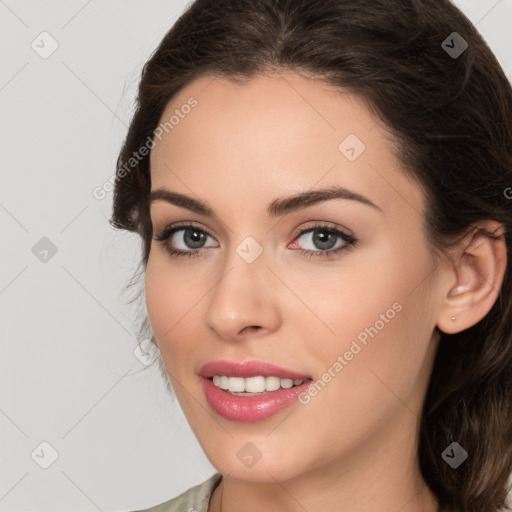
(358, 323)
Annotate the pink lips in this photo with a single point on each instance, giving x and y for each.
(248, 369)
(249, 408)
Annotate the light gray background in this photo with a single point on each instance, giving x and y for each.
(69, 376)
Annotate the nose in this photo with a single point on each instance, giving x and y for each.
(244, 300)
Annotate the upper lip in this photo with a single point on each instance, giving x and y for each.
(248, 369)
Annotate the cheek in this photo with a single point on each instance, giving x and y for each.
(382, 371)
(170, 299)
(345, 300)
(375, 312)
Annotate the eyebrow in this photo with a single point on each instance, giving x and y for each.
(278, 207)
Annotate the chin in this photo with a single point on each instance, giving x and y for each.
(256, 461)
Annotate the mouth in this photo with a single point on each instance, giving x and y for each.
(251, 391)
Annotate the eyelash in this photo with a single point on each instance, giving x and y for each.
(350, 241)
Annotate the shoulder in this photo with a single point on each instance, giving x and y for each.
(195, 499)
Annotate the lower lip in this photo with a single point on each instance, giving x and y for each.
(250, 408)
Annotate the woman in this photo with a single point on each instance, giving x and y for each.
(323, 191)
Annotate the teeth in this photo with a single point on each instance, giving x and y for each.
(236, 384)
(254, 384)
(272, 383)
(223, 382)
(286, 383)
(257, 384)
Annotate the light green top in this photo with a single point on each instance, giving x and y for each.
(195, 499)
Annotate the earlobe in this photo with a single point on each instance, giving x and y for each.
(479, 270)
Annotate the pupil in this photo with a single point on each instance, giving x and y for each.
(196, 237)
(320, 239)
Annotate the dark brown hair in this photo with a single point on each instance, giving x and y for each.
(451, 121)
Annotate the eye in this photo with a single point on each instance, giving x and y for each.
(191, 238)
(325, 237)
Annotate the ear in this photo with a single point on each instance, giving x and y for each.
(478, 270)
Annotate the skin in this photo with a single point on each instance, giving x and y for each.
(354, 444)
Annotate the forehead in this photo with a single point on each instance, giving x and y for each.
(280, 132)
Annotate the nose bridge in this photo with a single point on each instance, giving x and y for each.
(241, 297)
